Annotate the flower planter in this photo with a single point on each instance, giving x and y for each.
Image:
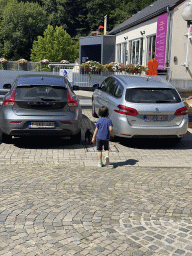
(110, 70)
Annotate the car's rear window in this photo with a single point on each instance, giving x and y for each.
(152, 95)
(41, 92)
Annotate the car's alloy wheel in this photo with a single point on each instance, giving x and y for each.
(93, 110)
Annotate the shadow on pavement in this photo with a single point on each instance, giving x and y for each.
(46, 142)
(157, 143)
(123, 163)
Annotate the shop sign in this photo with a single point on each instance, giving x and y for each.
(161, 37)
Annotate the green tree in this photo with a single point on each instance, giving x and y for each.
(19, 28)
(97, 9)
(144, 3)
(71, 15)
(55, 45)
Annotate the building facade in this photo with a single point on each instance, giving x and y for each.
(159, 32)
(97, 48)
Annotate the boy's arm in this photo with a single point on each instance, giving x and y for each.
(111, 131)
(94, 135)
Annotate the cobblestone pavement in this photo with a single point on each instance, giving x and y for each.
(70, 210)
(56, 201)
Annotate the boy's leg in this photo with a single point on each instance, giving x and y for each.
(99, 149)
(100, 156)
(106, 148)
(106, 152)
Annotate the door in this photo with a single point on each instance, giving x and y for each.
(115, 91)
(100, 98)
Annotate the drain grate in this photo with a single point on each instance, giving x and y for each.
(112, 148)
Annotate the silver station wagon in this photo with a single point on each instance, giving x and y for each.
(141, 106)
(40, 105)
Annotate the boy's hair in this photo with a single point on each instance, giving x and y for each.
(103, 111)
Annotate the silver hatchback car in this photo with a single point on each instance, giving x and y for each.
(141, 106)
(40, 105)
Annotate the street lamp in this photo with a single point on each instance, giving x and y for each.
(187, 16)
(187, 12)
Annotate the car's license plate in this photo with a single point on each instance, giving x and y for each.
(155, 118)
(41, 125)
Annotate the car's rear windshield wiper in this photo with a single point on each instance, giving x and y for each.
(49, 99)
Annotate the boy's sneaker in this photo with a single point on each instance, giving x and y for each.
(100, 164)
(107, 160)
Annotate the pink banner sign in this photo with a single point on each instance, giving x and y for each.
(161, 37)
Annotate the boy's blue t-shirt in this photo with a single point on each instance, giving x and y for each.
(103, 126)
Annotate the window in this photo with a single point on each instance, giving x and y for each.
(136, 51)
(152, 95)
(119, 53)
(105, 83)
(118, 90)
(111, 87)
(114, 88)
(124, 53)
(151, 41)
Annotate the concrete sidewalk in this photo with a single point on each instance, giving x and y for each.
(85, 98)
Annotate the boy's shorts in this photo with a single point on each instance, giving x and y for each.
(101, 143)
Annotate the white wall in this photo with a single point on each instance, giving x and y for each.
(150, 28)
(179, 49)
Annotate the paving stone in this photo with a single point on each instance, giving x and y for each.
(51, 204)
(180, 252)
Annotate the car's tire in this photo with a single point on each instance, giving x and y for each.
(93, 110)
(76, 139)
(5, 138)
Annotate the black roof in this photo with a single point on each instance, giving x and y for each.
(155, 9)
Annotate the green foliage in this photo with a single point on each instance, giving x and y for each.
(71, 15)
(22, 21)
(19, 28)
(55, 45)
(97, 9)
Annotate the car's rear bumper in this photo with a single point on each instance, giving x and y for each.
(44, 132)
(59, 129)
(125, 130)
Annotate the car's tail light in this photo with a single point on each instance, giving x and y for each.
(10, 100)
(181, 111)
(126, 110)
(15, 122)
(71, 101)
(66, 122)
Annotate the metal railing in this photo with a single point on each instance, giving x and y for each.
(79, 76)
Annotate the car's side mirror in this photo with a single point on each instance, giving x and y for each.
(96, 86)
(75, 87)
(7, 86)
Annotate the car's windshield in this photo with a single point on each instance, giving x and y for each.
(152, 95)
(40, 92)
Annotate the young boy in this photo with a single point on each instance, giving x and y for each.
(104, 128)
